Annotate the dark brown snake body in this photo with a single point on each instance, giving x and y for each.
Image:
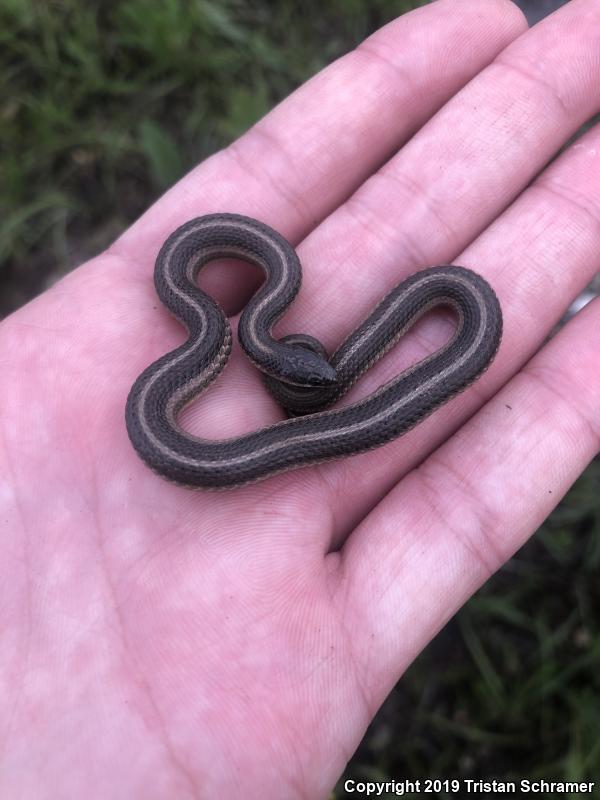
(296, 368)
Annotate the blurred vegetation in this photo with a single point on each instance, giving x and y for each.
(102, 106)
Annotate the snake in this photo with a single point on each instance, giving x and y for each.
(296, 368)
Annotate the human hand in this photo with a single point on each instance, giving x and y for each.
(159, 642)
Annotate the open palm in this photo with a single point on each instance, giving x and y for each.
(158, 642)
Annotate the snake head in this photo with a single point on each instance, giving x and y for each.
(303, 367)
(295, 360)
(305, 362)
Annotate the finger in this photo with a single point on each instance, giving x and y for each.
(312, 150)
(374, 258)
(451, 523)
(538, 255)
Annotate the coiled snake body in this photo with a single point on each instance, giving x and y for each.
(296, 368)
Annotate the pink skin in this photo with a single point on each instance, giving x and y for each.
(162, 643)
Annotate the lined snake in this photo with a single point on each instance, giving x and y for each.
(296, 368)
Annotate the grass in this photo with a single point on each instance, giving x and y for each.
(102, 106)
